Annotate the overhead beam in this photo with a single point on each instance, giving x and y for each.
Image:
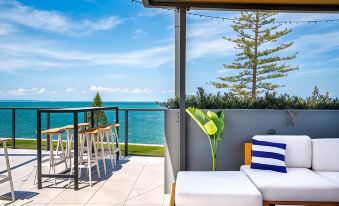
(180, 77)
(240, 5)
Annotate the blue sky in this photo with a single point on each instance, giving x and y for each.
(68, 50)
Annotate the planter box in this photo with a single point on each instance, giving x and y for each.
(240, 126)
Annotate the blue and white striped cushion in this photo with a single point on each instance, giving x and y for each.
(268, 156)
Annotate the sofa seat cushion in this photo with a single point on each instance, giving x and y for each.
(298, 148)
(225, 188)
(325, 155)
(298, 184)
(333, 176)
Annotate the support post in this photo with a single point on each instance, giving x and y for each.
(48, 126)
(38, 124)
(92, 119)
(75, 146)
(180, 77)
(13, 128)
(126, 133)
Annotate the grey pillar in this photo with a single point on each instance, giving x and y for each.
(180, 77)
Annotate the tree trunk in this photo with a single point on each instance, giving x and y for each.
(255, 57)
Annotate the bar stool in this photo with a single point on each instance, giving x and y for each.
(8, 177)
(70, 137)
(55, 158)
(115, 134)
(87, 160)
(105, 137)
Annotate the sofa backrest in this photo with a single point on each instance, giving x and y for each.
(325, 155)
(298, 149)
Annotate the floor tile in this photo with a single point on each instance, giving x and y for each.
(109, 197)
(72, 197)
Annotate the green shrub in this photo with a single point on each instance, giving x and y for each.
(203, 100)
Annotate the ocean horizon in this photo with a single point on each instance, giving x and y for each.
(144, 127)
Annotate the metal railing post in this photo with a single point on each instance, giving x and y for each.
(48, 126)
(126, 133)
(75, 145)
(38, 125)
(92, 119)
(13, 128)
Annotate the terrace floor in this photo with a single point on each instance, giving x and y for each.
(135, 181)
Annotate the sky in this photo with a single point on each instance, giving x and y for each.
(69, 50)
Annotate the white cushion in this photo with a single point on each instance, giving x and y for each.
(333, 176)
(215, 188)
(298, 184)
(298, 148)
(325, 155)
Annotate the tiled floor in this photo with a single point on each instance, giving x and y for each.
(135, 181)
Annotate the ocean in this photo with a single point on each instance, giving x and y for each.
(144, 127)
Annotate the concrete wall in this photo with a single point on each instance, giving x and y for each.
(240, 126)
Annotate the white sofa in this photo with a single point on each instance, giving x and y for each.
(312, 172)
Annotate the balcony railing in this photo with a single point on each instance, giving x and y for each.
(126, 112)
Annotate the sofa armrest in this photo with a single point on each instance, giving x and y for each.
(248, 153)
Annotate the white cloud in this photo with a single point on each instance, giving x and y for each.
(137, 34)
(205, 39)
(73, 90)
(119, 90)
(23, 91)
(37, 54)
(6, 29)
(52, 21)
(165, 91)
(313, 44)
(70, 90)
(316, 72)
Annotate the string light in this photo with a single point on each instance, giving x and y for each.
(232, 19)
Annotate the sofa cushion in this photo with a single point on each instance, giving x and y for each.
(222, 188)
(333, 176)
(325, 155)
(268, 156)
(298, 184)
(298, 148)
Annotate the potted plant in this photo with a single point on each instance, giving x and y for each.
(212, 124)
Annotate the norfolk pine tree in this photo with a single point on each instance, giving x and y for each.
(99, 116)
(257, 61)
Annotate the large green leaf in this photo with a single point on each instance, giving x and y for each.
(220, 125)
(211, 123)
(199, 117)
(210, 127)
(212, 115)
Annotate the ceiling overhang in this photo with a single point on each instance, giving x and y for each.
(269, 5)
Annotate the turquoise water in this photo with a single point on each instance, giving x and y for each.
(144, 127)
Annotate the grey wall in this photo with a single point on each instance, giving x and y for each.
(172, 147)
(240, 126)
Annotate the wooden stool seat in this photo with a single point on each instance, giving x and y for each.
(110, 125)
(71, 126)
(53, 131)
(89, 131)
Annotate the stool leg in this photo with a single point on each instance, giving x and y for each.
(9, 170)
(118, 142)
(89, 159)
(96, 155)
(109, 145)
(52, 163)
(62, 150)
(101, 139)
